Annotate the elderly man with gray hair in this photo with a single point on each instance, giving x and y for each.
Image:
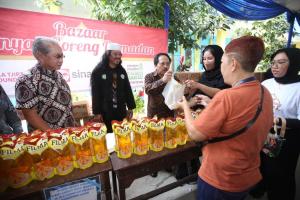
(42, 94)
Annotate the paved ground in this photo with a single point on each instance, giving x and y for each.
(185, 192)
(148, 183)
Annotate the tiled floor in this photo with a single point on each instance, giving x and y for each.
(185, 192)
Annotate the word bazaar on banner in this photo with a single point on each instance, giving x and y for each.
(83, 42)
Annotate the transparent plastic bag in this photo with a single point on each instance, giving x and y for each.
(173, 92)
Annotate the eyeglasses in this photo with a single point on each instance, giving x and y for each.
(164, 63)
(279, 62)
(58, 56)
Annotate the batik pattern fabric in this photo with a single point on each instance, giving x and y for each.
(48, 93)
(154, 87)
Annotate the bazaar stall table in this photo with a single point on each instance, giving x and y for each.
(34, 190)
(127, 170)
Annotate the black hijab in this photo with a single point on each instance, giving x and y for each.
(291, 75)
(213, 77)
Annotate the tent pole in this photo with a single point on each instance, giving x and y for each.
(290, 31)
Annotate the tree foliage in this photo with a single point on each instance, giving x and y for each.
(272, 32)
(189, 19)
(47, 4)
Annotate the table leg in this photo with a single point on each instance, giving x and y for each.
(122, 193)
(114, 179)
(106, 184)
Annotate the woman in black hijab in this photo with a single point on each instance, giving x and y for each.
(279, 172)
(211, 80)
(210, 83)
(292, 74)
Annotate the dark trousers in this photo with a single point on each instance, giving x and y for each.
(206, 191)
(279, 174)
(115, 114)
(188, 168)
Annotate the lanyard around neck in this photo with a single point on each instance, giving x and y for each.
(246, 80)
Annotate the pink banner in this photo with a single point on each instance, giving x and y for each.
(83, 42)
(18, 29)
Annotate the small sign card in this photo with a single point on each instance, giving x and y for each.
(87, 188)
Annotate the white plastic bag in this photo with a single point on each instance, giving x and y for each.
(173, 92)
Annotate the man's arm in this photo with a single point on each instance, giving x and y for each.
(153, 87)
(35, 120)
(11, 115)
(25, 88)
(14, 121)
(97, 99)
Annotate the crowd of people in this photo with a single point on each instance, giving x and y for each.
(237, 115)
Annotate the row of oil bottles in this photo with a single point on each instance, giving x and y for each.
(42, 155)
(138, 136)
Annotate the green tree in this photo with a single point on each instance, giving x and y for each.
(189, 19)
(47, 4)
(272, 32)
(139, 101)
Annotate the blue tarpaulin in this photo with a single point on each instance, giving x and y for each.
(259, 10)
(254, 10)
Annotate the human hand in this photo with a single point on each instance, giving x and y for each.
(129, 114)
(182, 103)
(98, 118)
(193, 101)
(202, 100)
(191, 84)
(77, 124)
(167, 76)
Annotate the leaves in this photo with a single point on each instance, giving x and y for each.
(189, 19)
(272, 32)
(139, 101)
(48, 3)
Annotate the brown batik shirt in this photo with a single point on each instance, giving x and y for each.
(48, 93)
(154, 87)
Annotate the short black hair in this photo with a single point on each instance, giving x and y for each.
(156, 57)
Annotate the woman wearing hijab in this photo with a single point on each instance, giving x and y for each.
(279, 172)
(211, 80)
(210, 83)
